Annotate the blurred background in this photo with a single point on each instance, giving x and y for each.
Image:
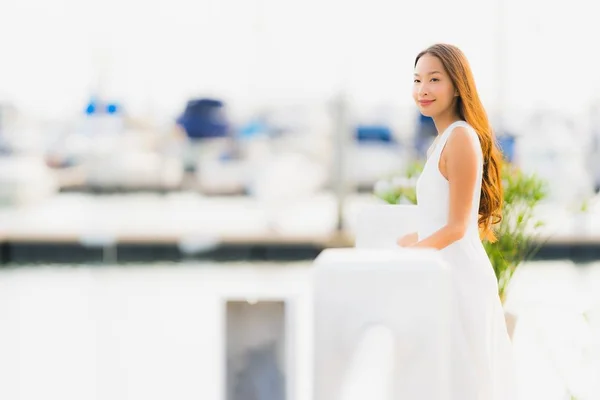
(196, 156)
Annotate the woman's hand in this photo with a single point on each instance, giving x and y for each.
(408, 240)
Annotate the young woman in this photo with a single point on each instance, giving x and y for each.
(459, 196)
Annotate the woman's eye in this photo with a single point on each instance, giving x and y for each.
(416, 81)
(434, 79)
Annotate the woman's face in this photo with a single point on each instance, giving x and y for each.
(433, 90)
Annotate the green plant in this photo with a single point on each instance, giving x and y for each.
(518, 233)
(400, 189)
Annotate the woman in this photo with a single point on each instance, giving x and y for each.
(459, 196)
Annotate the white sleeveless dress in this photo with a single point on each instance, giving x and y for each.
(481, 349)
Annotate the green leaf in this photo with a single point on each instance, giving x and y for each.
(518, 232)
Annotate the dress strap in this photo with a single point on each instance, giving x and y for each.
(448, 132)
(444, 138)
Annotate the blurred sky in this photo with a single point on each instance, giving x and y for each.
(153, 55)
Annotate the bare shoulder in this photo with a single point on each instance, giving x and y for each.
(463, 142)
(460, 156)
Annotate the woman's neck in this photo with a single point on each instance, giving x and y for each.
(443, 122)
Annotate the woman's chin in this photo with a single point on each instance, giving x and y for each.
(425, 112)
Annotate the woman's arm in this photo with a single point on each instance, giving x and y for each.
(460, 158)
(408, 239)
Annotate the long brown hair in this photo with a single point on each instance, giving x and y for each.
(470, 109)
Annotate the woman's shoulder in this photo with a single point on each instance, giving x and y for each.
(464, 126)
(464, 138)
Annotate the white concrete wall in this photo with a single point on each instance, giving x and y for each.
(405, 293)
(137, 332)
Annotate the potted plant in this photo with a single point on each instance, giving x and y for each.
(519, 234)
